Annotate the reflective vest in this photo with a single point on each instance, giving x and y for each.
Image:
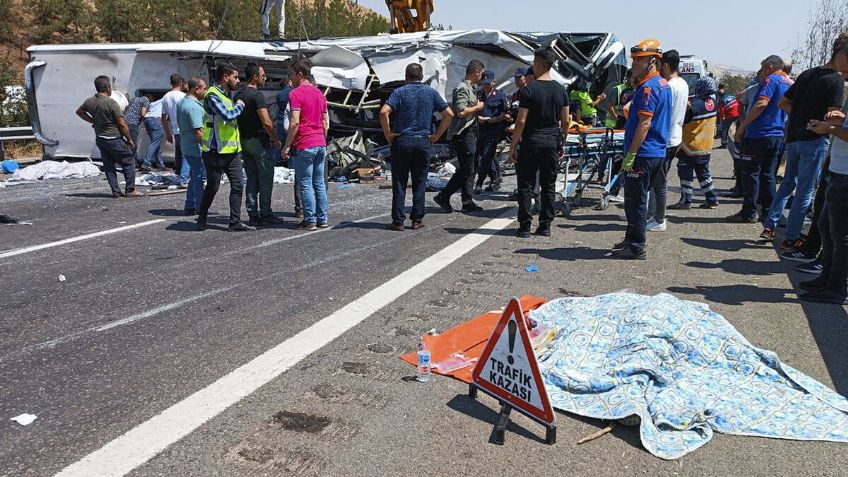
(225, 133)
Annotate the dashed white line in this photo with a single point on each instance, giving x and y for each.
(148, 439)
(34, 248)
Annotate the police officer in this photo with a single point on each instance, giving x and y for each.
(494, 119)
(645, 139)
(222, 145)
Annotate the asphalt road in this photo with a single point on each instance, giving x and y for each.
(149, 316)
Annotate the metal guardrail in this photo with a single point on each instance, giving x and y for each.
(14, 134)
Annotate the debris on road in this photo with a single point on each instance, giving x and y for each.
(56, 170)
(25, 419)
(283, 175)
(5, 219)
(531, 269)
(62, 278)
(597, 435)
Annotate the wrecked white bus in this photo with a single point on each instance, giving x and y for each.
(356, 73)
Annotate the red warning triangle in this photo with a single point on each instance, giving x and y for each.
(508, 369)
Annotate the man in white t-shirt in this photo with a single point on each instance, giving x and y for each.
(172, 128)
(679, 98)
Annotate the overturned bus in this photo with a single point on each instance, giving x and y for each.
(357, 74)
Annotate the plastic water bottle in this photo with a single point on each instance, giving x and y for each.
(423, 362)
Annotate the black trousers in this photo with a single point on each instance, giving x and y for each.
(659, 189)
(465, 146)
(532, 158)
(813, 243)
(216, 166)
(117, 151)
(487, 163)
(410, 158)
(637, 184)
(834, 233)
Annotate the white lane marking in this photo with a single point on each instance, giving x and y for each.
(148, 439)
(168, 307)
(341, 226)
(34, 248)
(156, 311)
(130, 319)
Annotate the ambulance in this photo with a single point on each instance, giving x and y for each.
(692, 69)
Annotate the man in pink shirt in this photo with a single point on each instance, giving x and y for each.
(308, 134)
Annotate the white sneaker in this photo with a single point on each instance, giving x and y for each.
(616, 198)
(653, 226)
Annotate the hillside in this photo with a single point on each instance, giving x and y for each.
(78, 21)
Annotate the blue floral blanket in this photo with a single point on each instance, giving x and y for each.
(682, 369)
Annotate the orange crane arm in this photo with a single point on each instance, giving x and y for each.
(403, 20)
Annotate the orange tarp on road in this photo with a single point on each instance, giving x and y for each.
(468, 338)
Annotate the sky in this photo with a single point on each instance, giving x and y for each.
(739, 34)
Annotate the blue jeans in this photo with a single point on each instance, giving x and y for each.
(309, 167)
(194, 194)
(156, 133)
(758, 160)
(803, 165)
(181, 167)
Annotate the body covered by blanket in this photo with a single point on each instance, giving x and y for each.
(683, 369)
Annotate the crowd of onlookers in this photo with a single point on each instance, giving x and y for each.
(798, 125)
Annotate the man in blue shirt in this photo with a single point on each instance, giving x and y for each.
(645, 138)
(761, 135)
(494, 119)
(190, 116)
(410, 139)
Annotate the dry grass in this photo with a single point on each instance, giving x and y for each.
(19, 150)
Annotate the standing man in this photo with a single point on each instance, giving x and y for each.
(832, 285)
(463, 136)
(257, 135)
(619, 96)
(761, 135)
(817, 92)
(411, 140)
(697, 146)
(494, 119)
(134, 116)
(283, 119)
(153, 126)
(728, 113)
(541, 124)
(109, 127)
(679, 98)
(645, 139)
(169, 124)
(221, 146)
(190, 116)
(308, 134)
(265, 11)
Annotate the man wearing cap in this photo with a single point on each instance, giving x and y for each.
(493, 119)
(645, 138)
(761, 135)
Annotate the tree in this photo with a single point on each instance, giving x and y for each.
(824, 22)
(7, 12)
(734, 83)
(70, 19)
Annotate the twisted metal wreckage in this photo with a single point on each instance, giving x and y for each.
(357, 74)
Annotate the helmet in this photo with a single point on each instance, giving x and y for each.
(647, 47)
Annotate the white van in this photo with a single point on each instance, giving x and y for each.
(692, 69)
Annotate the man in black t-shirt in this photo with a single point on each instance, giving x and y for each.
(542, 119)
(257, 134)
(815, 93)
